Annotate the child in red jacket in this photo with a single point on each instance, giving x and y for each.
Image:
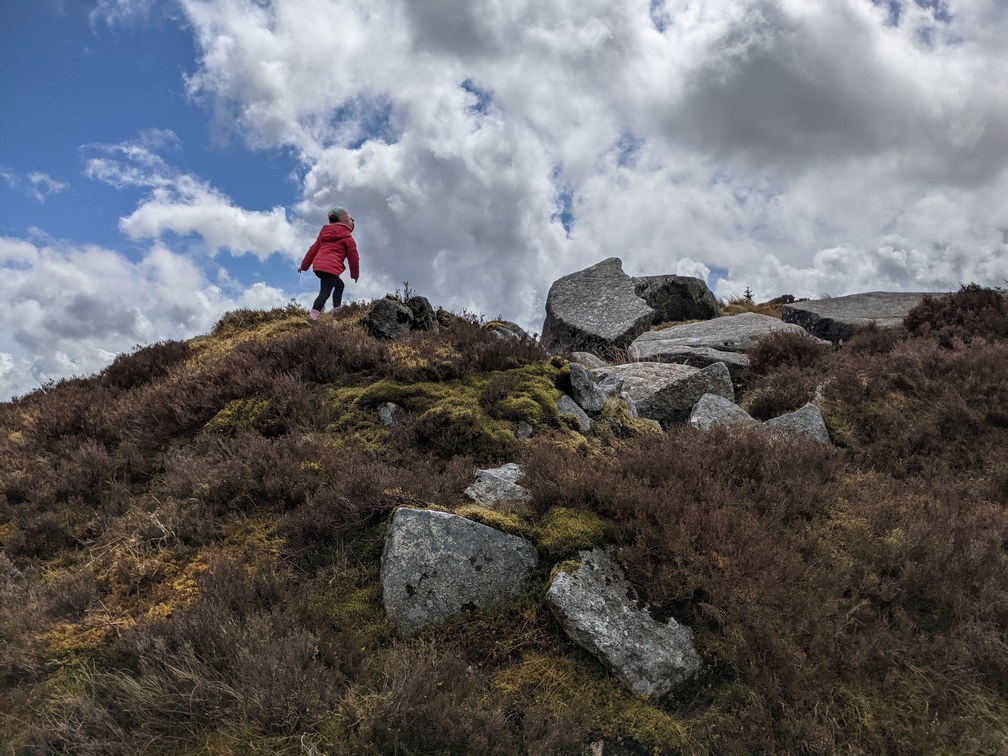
(328, 256)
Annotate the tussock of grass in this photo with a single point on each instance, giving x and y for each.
(191, 546)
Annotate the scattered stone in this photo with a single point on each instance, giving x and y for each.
(594, 310)
(677, 298)
(588, 359)
(437, 564)
(524, 430)
(807, 421)
(713, 411)
(667, 392)
(567, 407)
(596, 607)
(497, 485)
(392, 415)
(838, 318)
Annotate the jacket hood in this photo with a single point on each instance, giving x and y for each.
(334, 232)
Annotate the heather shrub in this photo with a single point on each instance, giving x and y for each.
(144, 365)
(968, 313)
(785, 348)
(786, 389)
(429, 700)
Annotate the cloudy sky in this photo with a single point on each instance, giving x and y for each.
(164, 161)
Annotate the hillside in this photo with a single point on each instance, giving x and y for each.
(191, 544)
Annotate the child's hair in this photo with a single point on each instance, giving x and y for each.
(337, 213)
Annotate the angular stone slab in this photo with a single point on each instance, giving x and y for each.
(567, 407)
(677, 298)
(667, 392)
(594, 310)
(505, 330)
(713, 411)
(807, 421)
(724, 339)
(436, 564)
(388, 319)
(838, 318)
(498, 485)
(593, 604)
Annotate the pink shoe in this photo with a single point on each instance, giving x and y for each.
(337, 310)
(313, 315)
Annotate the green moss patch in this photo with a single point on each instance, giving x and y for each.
(564, 531)
(239, 415)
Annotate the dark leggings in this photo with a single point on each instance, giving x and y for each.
(328, 283)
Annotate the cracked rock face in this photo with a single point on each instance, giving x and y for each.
(437, 564)
(595, 604)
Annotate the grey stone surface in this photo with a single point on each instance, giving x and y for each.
(807, 421)
(588, 359)
(595, 605)
(391, 414)
(424, 318)
(524, 430)
(497, 485)
(724, 339)
(713, 411)
(677, 298)
(667, 392)
(437, 564)
(505, 330)
(838, 318)
(594, 310)
(388, 319)
(591, 395)
(567, 407)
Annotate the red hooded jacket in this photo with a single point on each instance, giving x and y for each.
(334, 246)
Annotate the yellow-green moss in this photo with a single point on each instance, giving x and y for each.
(563, 531)
(238, 415)
(507, 522)
(616, 417)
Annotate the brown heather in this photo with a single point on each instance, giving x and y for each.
(191, 544)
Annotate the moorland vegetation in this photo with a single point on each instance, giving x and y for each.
(191, 543)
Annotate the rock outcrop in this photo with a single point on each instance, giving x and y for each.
(677, 298)
(594, 604)
(567, 407)
(505, 330)
(594, 310)
(436, 564)
(839, 318)
(391, 414)
(668, 392)
(497, 485)
(388, 318)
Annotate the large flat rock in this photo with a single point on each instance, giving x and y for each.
(724, 339)
(594, 310)
(838, 318)
(436, 564)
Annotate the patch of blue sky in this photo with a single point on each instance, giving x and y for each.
(482, 98)
(627, 149)
(563, 200)
(366, 119)
(659, 15)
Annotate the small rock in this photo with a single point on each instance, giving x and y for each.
(388, 319)
(567, 407)
(524, 430)
(595, 605)
(391, 415)
(423, 315)
(713, 411)
(588, 395)
(497, 485)
(588, 359)
(807, 421)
